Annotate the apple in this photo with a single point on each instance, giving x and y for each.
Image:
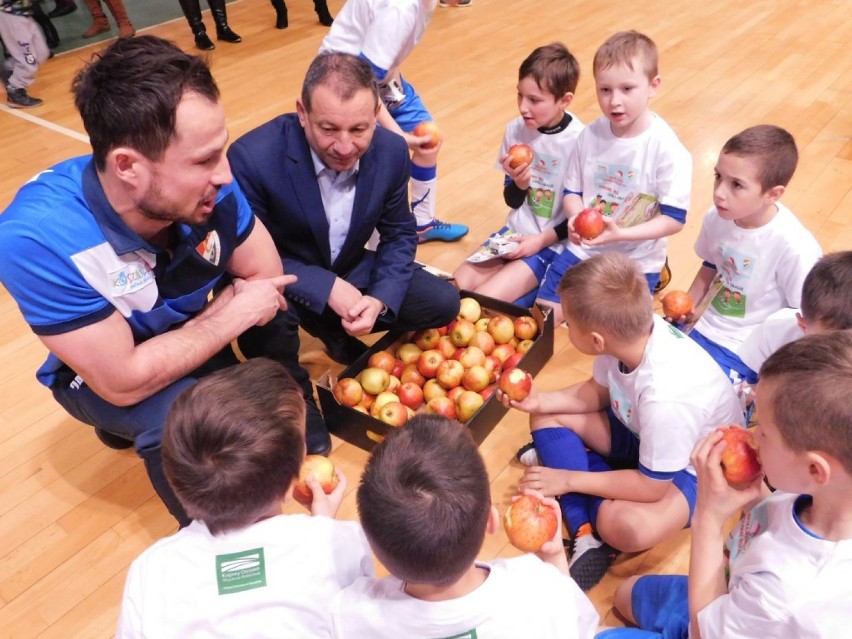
(398, 367)
(323, 471)
(374, 380)
(525, 327)
(488, 392)
(361, 409)
(394, 384)
(503, 352)
(519, 154)
(393, 414)
(589, 224)
(676, 304)
(483, 341)
(430, 129)
(446, 346)
(427, 339)
(455, 392)
(512, 361)
(472, 356)
(411, 395)
(348, 391)
(449, 373)
(524, 345)
(381, 399)
(467, 403)
(529, 523)
(411, 374)
(476, 378)
(481, 324)
(428, 363)
(502, 329)
(371, 434)
(461, 332)
(443, 330)
(740, 463)
(432, 389)
(515, 384)
(442, 406)
(408, 352)
(469, 309)
(367, 400)
(492, 365)
(382, 359)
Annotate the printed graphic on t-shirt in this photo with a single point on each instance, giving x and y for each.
(735, 269)
(541, 196)
(470, 634)
(613, 183)
(751, 525)
(239, 571)
(621, 406)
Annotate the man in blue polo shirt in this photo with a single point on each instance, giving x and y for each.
(112, 257)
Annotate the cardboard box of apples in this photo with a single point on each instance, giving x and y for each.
(452, 370)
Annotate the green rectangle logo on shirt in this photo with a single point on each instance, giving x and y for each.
(240, 571)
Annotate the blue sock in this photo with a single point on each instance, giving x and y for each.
(597, 464)
(560, 447)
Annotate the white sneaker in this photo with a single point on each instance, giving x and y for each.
(590, 560)
(527, 455)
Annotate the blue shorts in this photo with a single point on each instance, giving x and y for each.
(734, 367)
(661, 605)
(411, 111)
(564, 261)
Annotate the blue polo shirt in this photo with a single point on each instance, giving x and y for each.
(69, 260)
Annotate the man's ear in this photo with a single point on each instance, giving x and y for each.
(774, 194)
(126, 163)
(301, 112)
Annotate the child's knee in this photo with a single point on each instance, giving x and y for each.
(620, 531)
(623, 600)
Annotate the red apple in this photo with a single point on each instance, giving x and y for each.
(488, 392)
(323, 471)
(446, 346)
(676, 304)
(449, 374)
(398, 367)
(740, 462)
(428, 363)
(411, 395)
(408, 352)
(472, 356)
(525, 327)
(502, 329)
(512, 361)
(589, 224)
(461, 332)
(430, 129)
(348, 391)
(367, 401)
(469, 309)
(455, 392)
(503, 352)
(382, 359)
(427, 339)
(432, 389)
(515, 384)
(483, 341)
(519, 154)
(529, 523)
(411, 374)
(393, 414)
(476, 378)
(374, 380)
(442, 406)
(467, 403)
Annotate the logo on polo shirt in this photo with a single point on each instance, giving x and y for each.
(210, 248)
(130, 278)
(239, 571)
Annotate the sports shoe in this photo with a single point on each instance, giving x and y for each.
(116, 442)
(436, 230)
(460, 3)
(665, 277)
(527, 455)
(590, 559)
(18, 99)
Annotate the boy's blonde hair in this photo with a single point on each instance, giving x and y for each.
(622, 48)
(607, 294)
(813, 378)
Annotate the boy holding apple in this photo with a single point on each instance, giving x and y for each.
(629, 154)
(232, 448)
(425, 505)
(784, 570)
(615, 448)
(547, 81)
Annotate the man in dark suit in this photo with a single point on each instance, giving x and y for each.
(323, 180)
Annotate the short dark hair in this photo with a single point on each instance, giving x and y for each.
(344, 73)
(424, 501)
(234, 442)
(773, 148)
(812, 377)
(622, 47)
(553, 67)
(607, 293)
(827, 292)
(129, 93)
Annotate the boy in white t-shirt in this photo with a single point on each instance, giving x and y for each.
(754, 244)
(784, 570)
(628, 156)
(547, 81)
(425, 504)
(384, 33)
(232, 448)
(615, 448)
(826, 306)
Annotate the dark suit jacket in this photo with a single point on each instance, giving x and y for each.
(273, 165)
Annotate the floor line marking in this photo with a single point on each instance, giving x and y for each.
(58, 128)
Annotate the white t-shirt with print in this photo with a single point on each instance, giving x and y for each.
(614, 170)
(276, 578)
(521, 597)
(785, 582)
(542, 208)
(762, 271)
(780, 328)
(676, 396)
